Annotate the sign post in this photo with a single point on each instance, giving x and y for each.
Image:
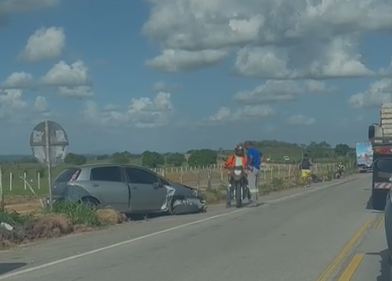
(49, 144)
(48, 163)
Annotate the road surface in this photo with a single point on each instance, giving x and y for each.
(299, 235)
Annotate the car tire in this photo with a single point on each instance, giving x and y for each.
(91, 202)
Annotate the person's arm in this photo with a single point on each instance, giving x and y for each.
(261, 157)
(229, 162)
(249, 157)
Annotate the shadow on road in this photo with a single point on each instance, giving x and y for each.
(384, 267)
(7, 267)
(369, 206)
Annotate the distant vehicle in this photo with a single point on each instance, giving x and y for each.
(380, 135)
(364, 153)
(127, 188)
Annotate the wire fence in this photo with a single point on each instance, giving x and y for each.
(20, 182)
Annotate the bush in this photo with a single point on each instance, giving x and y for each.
(14, 218)
(78, 213)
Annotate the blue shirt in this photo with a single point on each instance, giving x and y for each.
(254, 157)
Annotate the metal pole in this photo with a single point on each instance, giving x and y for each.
(1, 191)
(48, 163)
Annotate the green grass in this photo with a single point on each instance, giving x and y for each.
(77, 213)
(14, 218)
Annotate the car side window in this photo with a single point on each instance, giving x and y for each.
(141, 176)
(112, 174)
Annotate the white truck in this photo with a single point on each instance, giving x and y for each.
(380, 136)
(384, 128)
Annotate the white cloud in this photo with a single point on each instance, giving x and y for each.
(67, 75)
(45, 43)
(279, 90)
(300, 119)
(10, 7)
(179, 60)
(141, 113)
(75, 92)
(273, 39)
(18, 80)
(379, 92)
(162, 86)
(14, 108)
(386, 71)
(225, 114)
(312, 60)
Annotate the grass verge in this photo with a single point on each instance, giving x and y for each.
(65, 219)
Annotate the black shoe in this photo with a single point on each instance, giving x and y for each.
(228, 205)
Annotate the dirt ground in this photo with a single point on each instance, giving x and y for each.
(22, 204)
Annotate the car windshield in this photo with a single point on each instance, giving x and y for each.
(68, 175)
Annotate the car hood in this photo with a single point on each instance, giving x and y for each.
(184, 189)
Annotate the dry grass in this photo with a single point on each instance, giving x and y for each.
(110, 216)
(48, 226)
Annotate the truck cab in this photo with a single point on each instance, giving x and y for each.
(382, 169)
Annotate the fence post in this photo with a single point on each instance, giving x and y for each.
(198, 179)
(209, 172)
(39, 180)
(1, 191)
(221, 174)
(24, 180)
(182, 175)
(11, 179)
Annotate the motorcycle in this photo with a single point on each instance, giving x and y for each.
(339, 172)
(238, 183)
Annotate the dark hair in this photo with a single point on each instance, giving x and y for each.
(306, 155)
(248, 143)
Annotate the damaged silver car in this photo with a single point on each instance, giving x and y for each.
(129, 189)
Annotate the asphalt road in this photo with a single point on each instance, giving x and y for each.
(299, 235)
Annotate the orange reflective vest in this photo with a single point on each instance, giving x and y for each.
(231, 161)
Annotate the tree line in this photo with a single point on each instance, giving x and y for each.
(204, 157)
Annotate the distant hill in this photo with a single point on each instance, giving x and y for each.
(14, 157)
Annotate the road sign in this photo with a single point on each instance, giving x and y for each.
(58, 143)
(49, 144)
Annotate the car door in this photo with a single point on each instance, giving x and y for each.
(146, 192)
(110, 183)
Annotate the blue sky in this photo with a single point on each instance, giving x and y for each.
(175, 75)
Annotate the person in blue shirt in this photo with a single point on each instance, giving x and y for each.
(254, 157)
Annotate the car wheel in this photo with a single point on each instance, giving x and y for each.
(91, 202)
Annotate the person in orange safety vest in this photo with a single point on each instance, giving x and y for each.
(237, 159)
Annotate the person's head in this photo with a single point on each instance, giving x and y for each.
(306, 155)
(248, 144)
(239, 150)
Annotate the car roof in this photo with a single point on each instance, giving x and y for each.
(97, 165)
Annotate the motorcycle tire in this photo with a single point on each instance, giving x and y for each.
(238, 196)
(337, 175)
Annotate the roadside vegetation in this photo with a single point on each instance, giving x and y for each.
(66, 218)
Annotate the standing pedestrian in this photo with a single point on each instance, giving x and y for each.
(254, 158)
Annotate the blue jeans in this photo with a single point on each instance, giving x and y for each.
(229, 191)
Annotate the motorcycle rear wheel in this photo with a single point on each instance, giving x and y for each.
(238, 195)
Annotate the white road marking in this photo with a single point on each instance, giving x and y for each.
(81, 255)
